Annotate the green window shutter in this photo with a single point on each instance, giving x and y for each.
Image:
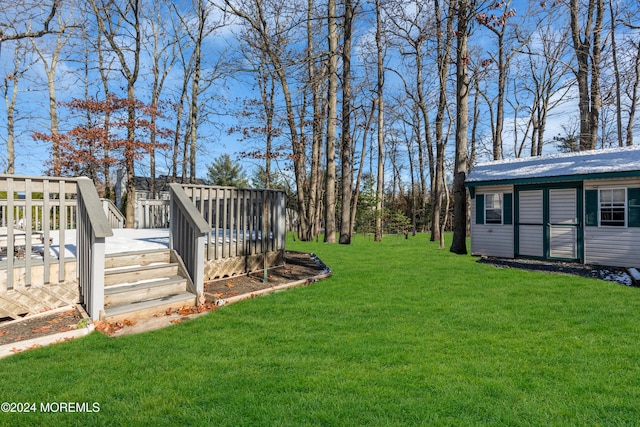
(479, 208)
(507, 208)
(591, 208)
(633, 207)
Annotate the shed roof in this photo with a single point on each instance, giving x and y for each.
(608, 163)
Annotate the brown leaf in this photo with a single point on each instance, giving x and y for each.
(41, 330)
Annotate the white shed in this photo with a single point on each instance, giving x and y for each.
(582, 207)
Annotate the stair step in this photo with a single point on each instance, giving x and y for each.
(120, 294)
(126, 259)
(138, 273)
(148, 307)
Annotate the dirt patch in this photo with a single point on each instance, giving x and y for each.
(298, 267)
(611, 274)
(41, 325)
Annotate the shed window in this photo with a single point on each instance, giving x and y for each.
(493, 208)
(613, 207)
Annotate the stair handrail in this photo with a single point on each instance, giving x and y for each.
(114, 216)
(187, 234)
(92, 230)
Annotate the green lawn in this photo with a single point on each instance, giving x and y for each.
(402, 334)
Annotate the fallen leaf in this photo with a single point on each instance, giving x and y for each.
(230, 285)
(3, 333)
(176, 321)
(41, 330)
(186, 310)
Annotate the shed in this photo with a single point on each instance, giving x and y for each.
(582, 207)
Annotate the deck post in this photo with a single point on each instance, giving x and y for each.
(92, 229)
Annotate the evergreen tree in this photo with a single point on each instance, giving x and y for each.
(224, 172)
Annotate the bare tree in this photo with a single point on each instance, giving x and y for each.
(50, 59)
(21, 64)
(464, 13)
(586, 37)
(546, 81)
(497, 24)
(120, 24)
(346, 136)
(444, 42)
(162, 46)
(273, 29)
(380, 135)
(332, 101)
(17, 19)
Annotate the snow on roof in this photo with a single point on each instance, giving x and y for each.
(625, 159)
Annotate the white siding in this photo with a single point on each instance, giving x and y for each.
(530, 240)
(491, 239)
(615, 246)
(563, 242)
(562, 206)
(530, 206)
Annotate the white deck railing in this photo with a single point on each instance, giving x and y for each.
(187, 233)
(241, 221)
(30, 208)
(152, 213)
(114, 216)
(93, 228)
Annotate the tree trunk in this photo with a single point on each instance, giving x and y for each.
(459, 244)
(347, 170)
(634, 97)
(380, 91)
(332, 100)
(588, 58)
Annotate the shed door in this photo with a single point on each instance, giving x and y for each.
(563, 223)
(530, 223)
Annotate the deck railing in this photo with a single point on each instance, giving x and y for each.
(30, 209)
(114, 216)
(152, 213)
(240, 221)
(93, 229)
(187, 233)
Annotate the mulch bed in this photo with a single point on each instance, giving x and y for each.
(611, 274)
(298, 266)
(39, 326)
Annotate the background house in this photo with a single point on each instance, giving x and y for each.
(150, 211)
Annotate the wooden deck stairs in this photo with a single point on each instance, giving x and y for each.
(143, 283)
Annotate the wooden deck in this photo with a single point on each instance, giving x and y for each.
(22, 300)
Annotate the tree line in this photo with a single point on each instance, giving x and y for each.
(373, 110)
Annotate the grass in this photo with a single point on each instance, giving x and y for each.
(402, 334)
